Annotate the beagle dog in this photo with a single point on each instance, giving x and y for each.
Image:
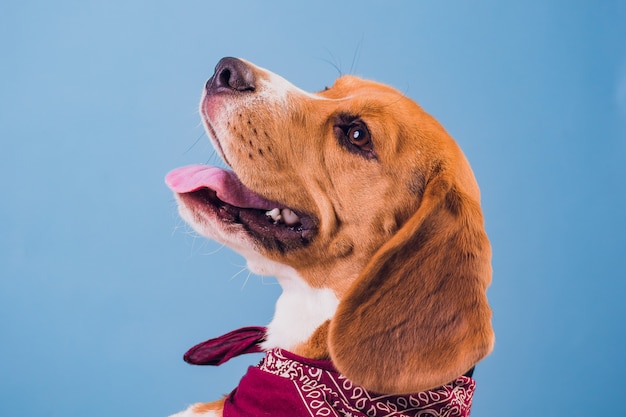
(368, 214)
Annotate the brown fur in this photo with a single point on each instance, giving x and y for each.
(216, 407)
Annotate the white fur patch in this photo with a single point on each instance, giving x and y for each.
(300, 310)
(277, 88)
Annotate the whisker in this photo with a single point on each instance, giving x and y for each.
(357, 55)
(213, 252)
(245, 281)
(195, 143)
(272, 280)
(238, 273)
(214, 158)
(333, 62)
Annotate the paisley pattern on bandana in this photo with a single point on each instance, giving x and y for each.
(327, 393)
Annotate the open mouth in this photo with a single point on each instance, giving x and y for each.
(219, 193)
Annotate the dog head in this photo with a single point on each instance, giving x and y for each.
(361, 203)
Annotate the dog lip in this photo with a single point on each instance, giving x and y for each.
(272, 235)
(212, 134)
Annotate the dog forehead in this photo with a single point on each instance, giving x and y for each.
(371, 101)
(351, 85)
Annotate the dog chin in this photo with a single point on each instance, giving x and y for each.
(228, 234)
(235, 237)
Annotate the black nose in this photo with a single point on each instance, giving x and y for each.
(231, 75)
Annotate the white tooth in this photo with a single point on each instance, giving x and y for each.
(289, 216)
(274, 214)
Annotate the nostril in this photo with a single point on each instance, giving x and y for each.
(232, 74)
(224, 77)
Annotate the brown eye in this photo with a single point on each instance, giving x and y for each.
(359, 136)
(353, 135)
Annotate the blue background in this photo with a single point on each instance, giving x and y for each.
(102, 287)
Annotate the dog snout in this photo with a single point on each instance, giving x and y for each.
(231, 75)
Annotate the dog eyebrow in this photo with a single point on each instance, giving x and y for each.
(345, 119)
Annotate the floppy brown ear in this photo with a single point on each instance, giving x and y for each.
(417, 317)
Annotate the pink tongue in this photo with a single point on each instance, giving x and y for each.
(225, 183)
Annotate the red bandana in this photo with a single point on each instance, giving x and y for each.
(288, 385)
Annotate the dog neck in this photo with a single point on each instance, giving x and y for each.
(300, 309)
